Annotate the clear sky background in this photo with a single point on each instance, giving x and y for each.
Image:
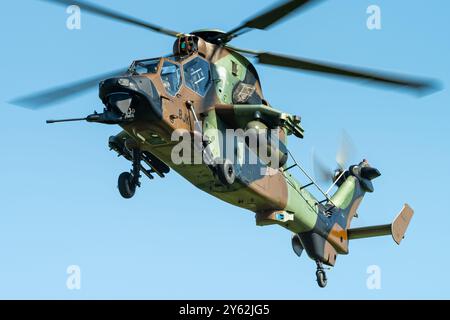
(59, 204)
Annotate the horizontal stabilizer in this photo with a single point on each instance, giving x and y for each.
(397, 228)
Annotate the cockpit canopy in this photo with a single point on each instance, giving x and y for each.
(144, 66)
(194, 72)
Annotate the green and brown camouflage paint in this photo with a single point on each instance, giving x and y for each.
(276, 199)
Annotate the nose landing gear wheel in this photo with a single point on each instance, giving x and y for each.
(126, 185)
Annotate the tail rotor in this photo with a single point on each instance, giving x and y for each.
(346, 151)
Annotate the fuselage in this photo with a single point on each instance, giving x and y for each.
(221, 89)
(218, 108)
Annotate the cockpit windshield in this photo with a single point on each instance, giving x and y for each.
(145, 66)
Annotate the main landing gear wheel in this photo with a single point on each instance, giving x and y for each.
(126, 186)
(225, 172)
(128, 181)
(321, 276)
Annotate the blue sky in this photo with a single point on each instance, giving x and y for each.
(59, 204)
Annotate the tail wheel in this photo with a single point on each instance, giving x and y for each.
(321, 278)
(126, 185)
(226, 173)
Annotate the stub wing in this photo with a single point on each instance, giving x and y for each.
(397, 228)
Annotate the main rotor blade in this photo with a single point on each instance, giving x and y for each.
(58, 94)
(269, 17)
(418, 85)
(115, 16)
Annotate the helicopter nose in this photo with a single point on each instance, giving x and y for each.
(136, 94)
(121, 101)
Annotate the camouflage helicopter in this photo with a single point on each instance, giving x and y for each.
(204, 84)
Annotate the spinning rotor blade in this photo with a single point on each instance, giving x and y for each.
(54, 95)
(322, 173)
(375, 77)
(269, 17)
(92, 8)
(420, 86)
(345, 152)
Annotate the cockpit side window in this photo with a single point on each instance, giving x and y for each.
(145, 66)
(171, 77)
(244, 91)
(197, 75)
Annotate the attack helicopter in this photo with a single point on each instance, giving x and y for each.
(207, 84)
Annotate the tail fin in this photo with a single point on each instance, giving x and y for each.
(352, 187)
(332, 232)
(397, 228)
